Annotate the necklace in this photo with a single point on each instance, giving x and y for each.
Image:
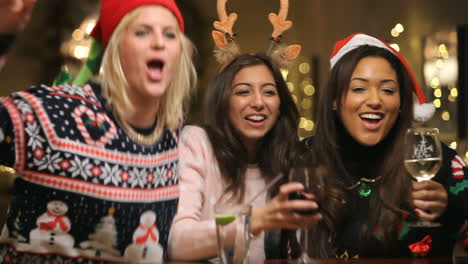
(140, 138)
(364, 189)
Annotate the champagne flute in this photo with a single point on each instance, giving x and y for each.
(423, 158)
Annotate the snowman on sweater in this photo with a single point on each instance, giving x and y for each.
(52, 228)
(145, 246)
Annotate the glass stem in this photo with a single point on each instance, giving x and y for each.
(304, 258)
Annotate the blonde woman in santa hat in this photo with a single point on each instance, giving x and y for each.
(97, 165)
(363, 114)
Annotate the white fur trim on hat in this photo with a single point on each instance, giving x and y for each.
(356, 41)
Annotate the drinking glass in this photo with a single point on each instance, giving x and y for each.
(300, 175)
(423, 158)
(233, 247)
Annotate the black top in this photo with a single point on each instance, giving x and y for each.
(359, 161)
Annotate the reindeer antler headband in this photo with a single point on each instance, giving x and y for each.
(224, 37)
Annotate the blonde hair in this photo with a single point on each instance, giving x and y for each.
(173, 103)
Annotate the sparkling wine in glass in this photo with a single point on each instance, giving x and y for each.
(423, 158)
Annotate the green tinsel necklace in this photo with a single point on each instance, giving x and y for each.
(364, 189)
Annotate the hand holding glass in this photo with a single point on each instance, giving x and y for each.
(423, 158)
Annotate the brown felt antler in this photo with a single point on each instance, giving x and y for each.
(224, 38)
(279, 22)
(227, 49)
(284, 55)
(226, 22)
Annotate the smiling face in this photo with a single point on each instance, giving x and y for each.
(57, 207)
(149, 53)
(253, 103)
(371, 104)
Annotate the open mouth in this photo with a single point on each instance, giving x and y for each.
(372, 118)
(155, 69)
(255, 118)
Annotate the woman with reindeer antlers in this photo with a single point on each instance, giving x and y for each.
(249, 138)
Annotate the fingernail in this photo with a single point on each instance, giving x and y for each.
(416, 212)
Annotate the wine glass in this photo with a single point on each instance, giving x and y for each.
(301, 175)
(423, 158)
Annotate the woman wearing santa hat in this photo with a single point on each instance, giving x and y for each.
(363, 114)
(107, 153)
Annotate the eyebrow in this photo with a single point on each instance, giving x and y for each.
(249, 84)
(365, 80)
(148, 26)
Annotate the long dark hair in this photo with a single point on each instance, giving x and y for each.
(394, 188)
(277, 150)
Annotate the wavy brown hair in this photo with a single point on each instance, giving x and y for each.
(395, 186)
(277, 149)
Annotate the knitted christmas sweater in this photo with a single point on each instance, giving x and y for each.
(363, 161)
(84, 189)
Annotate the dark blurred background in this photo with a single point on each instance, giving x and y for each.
(430, 34)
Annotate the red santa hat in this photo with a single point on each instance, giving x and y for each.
(112, 11)
(422, 111)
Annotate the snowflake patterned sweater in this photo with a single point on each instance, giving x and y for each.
(83, 188)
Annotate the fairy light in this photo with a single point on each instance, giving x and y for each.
(90, 25)
(438, 93)
(399, 28)
(442, 48)
(80, 52)
(78, 34)
(454, 92)
(309, 125)
(435, 82)
(78, 45)
(453, 145)
(309, 90)
(294, 97)
(304, 68)
(437, 103)
(306, 103)
(302, 123)
(445, 54)
(285, 73)
(439, 63)
(446, 116)
(395, 47)
(290, 86)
